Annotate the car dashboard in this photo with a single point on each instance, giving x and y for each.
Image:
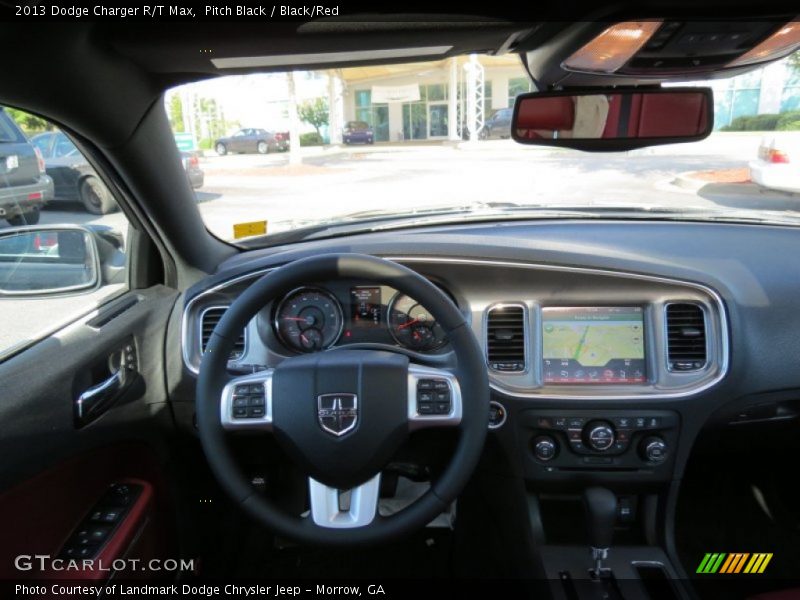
(609, 344)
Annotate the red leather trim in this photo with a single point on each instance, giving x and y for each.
(38, 515)
(119, 545)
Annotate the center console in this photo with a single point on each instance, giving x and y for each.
(561, 443)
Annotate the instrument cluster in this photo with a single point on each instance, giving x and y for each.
(312, 318)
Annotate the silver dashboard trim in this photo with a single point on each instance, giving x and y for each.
(200, 318)
(706, 325)
(494, 426)
(724, 350)
(526, 329)
(185, 328)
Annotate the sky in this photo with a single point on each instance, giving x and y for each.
(257, 100)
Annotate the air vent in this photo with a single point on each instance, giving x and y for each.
(208, 321)
(505, 338)
(686, 337)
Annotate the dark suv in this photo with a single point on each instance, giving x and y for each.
(498, 126)
(24, 186)
(358, 132)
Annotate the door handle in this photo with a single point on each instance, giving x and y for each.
(99, 398)
(94, 401)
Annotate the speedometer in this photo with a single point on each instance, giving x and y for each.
(413, 326)
(309, 319)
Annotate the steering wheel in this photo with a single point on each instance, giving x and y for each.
(341, 415)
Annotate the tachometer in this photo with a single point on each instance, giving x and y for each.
(309, 319)
(412, 325)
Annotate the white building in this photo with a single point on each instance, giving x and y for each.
(430, 101)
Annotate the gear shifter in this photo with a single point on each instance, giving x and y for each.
(601, 512)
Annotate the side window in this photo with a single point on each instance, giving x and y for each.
(63, 241)
(64, 147)
(44, 143)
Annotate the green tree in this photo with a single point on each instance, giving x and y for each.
(794, 62)
(314, 112)
(175, 113)
(30, 124)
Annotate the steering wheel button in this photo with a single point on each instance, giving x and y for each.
(425, 409)
(425, 397)
(441, 384)
(443, 396)
(239, 412)
(442, 408)
(253, 401)
(239, 401)
(425, 384)
(255, 412)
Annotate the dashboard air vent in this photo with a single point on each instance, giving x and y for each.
(686, 337)
(505, 338)
(208, 321)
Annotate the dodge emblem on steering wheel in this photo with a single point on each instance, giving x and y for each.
(337, 413)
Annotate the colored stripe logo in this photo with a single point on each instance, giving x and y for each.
(736, 562)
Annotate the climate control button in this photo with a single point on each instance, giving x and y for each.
(545, 447)
(599, 435)
(654, 450)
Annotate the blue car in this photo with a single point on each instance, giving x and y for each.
(358, 132)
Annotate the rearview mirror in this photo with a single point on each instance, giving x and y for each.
(44, 261)
(613, 120)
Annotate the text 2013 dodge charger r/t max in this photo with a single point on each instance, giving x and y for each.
(556, 359)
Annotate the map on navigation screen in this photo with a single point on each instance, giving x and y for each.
(593, 345)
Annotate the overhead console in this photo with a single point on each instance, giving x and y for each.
(617, 51)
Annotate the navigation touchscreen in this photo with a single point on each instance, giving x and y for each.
(593, 345)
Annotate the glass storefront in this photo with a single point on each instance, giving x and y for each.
(377, 115)
(415, 121)
(438, 120)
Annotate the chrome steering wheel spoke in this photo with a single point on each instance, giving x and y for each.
(344, 509)
(246, 402)
(434, 398)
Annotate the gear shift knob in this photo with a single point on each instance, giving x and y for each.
(601, 513)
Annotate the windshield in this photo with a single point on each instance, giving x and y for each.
(283, 157)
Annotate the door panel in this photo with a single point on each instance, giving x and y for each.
(38, 526)
(54, 457)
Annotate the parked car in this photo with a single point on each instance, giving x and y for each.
(76, 181)
(498, 126)
(253, 140)
(778, 163)
(191, 164)
(73, 176)
(358, 132)
(24, 185)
